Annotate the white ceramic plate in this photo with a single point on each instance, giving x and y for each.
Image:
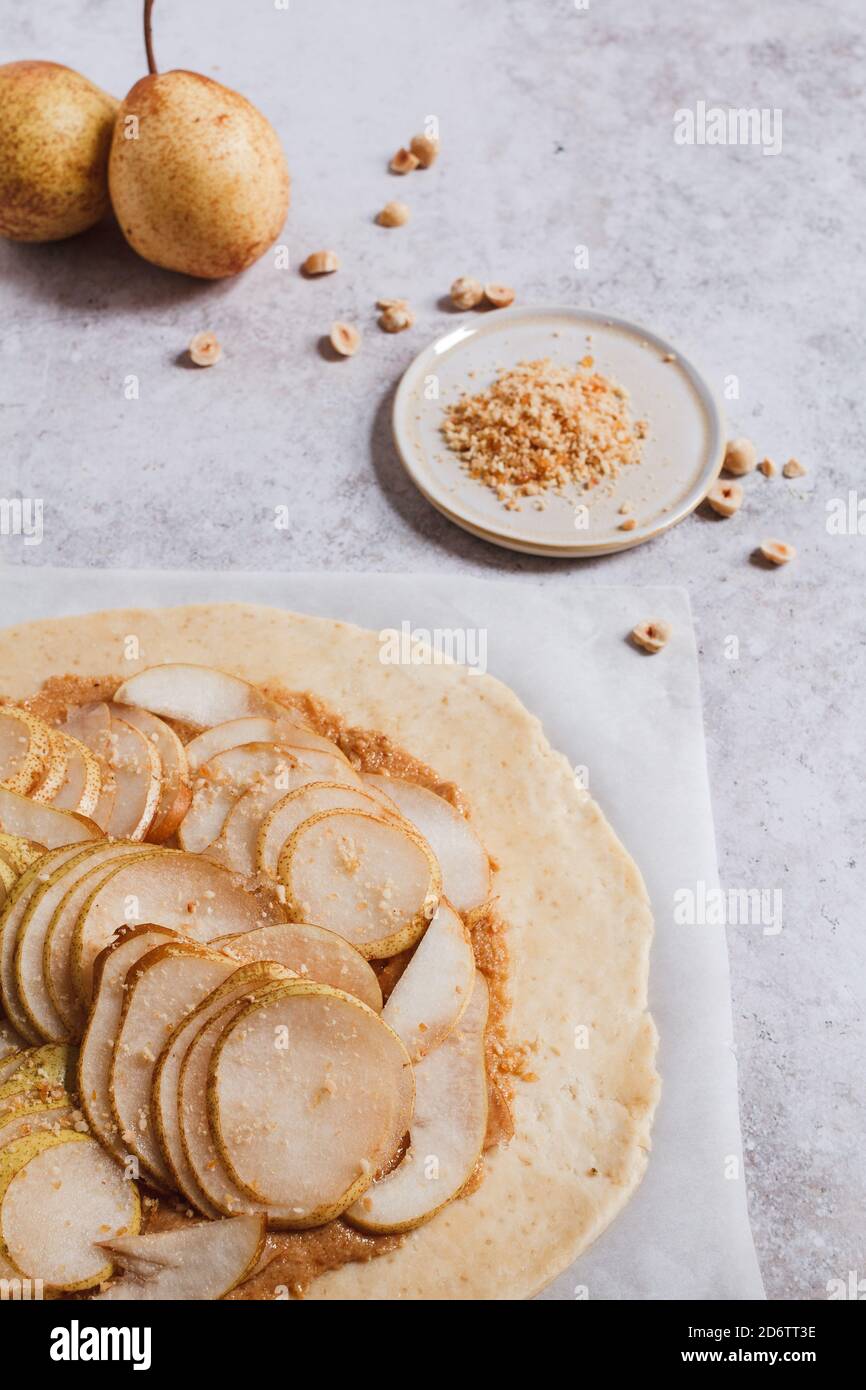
(682, 454)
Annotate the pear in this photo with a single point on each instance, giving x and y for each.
(197, 175)
(55, 134)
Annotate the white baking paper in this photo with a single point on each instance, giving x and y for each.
(634, 722)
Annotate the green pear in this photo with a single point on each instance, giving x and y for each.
(55, 134)
(197, 175)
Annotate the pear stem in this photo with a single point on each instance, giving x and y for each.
(148, 37)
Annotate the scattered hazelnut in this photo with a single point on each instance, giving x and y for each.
(740, 457)
(767, 467)
(345, 339)
(793, 469)
(321, 263)
(425, 149)
(777, 552)
(628, 525)
(725, 498)
(500, 296)
(403, 162)
(466, 293)
(396, 318)
(393, 215)
(205, 349)
(651, 635)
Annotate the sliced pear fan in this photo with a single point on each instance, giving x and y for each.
(371, 881)
(434, 989)
(193, 896)
(11, 917)
(161, 989)
(243, 984)
(97, 1047)
(24, 748)
(447, 1133)
(33, 821)
(237, 844)
(196, 695)
(297, 806)
(461, 855)
(74, 888)
(311, 952)
(309, 1095)
(288, 729)
(59, 1195)
(191, 1264)
(175, 793)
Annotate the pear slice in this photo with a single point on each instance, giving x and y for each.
(373, 882)
(20, 853)
(96, 1056)
(175, 793)
(309, 1095)
(313, 953)
(33, 821)
(193, 1263)
(25, 746)
(82, 781)
(296, 807)
(71, 891)
(35, 1114)
(40, 1069)
(432, 993)
(288, 729)
(8, 877)
(11, 917)
(266, 769)
(137, 770)
(200, 1153)
(461, 855)
(91, 725)
(243, 983)
(198, 696)
(11, 1063)
(236, 846)
(447, 1132)
(54, 773)
(11, 1042)
(200, 900)
(60, 1194)
(162, 987)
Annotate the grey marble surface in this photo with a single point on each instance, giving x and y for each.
(557, 130)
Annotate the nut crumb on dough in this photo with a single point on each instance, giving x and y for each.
(651, 635)
(725, 498)
(628, 525)
(777, 552)
(205, 349)
(345, 339)
(793, 469)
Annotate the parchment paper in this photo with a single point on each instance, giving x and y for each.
(634, 723)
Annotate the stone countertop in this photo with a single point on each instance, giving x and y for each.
(557, 125)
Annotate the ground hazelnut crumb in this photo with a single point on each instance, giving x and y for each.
(768, 468)
(628, 525)
(396, 319)
(345, 339)
(393, 215)
(425, 149)
(466, 293)
(725, 498)
(625, 509)
(793, 469)
(321, 263)
(740, 457)
(651, 635)
(205, 349)
(403, 162)
(777, 552)
(500, 296)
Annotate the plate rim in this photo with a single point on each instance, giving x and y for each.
(510, 537)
